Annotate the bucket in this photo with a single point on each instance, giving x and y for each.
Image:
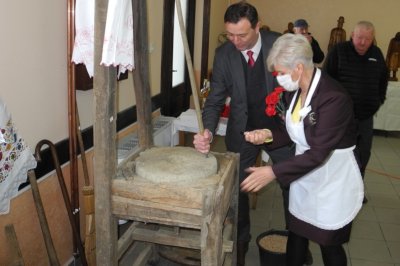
(272, 247)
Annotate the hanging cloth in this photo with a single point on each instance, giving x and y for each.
(15, 160)
(84, 35)
(118, 36)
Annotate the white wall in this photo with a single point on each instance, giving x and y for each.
(33, 71)
(322, 15)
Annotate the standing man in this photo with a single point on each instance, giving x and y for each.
(360, 67)
(239, 72)
(301, 27)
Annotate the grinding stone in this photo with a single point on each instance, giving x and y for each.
(172, 164)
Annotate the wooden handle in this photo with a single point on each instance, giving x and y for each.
(51, 252)
(82, 149)
(15, 250)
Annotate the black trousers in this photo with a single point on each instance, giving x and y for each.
(365, 134)
(297, 247)
(248, 157)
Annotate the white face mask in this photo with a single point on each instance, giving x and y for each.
(287, 83)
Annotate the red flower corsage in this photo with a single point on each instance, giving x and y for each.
(274, 102)
(225, 112)
(227, 108)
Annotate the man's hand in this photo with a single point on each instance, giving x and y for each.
(202, 142)
(258, 136)
(308, 36)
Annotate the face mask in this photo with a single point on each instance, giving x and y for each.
(287, 83)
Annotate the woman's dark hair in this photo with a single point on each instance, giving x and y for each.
(236, 12)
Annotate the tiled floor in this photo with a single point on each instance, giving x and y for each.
(375, 239)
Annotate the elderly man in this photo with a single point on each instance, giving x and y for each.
(301, 27)
(360, 67)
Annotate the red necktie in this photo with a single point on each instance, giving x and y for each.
(251, 59)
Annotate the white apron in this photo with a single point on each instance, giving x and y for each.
(330, 196)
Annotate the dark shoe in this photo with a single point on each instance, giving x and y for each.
(242, 248)
(309, 259)
(365, 200)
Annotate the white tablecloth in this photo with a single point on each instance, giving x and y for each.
(187, 122)
(388, 116)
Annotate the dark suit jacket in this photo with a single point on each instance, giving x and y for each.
(329, 126)
(228, 79)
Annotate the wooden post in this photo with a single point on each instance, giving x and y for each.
(72, 119)
(141, 73)
(211, 230)
(105, 159)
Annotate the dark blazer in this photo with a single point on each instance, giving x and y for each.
(329, 126)
(228, 79)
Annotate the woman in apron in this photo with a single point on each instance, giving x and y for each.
(326, 188)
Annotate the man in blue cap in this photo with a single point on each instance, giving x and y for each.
(301, 27)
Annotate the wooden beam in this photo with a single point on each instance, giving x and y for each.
(72, 128)
(105, 159)
(141, 73)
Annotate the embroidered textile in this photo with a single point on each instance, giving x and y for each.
(15, 160)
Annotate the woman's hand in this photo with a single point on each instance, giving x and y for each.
(258, 136)
(259, 177)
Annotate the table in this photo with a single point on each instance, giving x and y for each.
(187, 122)
(388, 116)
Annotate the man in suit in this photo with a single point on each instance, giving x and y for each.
(239, 72)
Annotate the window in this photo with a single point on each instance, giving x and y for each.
(178, 58)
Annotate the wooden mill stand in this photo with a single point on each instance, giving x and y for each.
(198, 210)
(201, 209)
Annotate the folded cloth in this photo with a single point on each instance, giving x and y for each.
(15, 160)
(84, 35)
(118, 36)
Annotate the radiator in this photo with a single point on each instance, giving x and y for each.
(162, 136)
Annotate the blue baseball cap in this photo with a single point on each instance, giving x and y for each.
(300, 23)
